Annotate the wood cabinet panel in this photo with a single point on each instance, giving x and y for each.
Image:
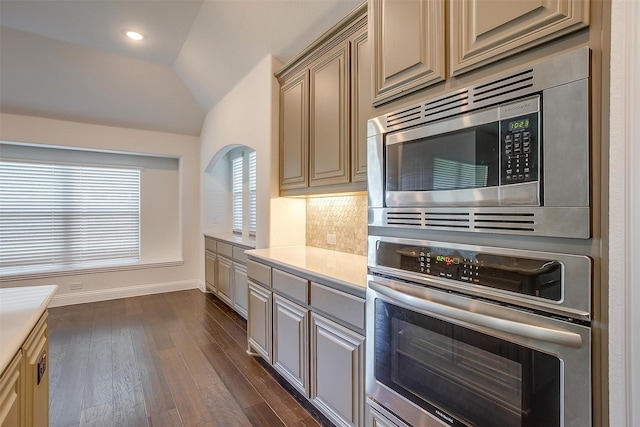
(11, 393)
(484, 31)
(361, 106)
(294, 132)
(224, 280)
(210, 270)
(259, 320)
(329, 118)
(409, 46)
(291, 342)
(342, 306)
(240, 290)
(294, 287)
(259, 272)
(337, 360)
(210, 244)
(36, 375)
(224, 249)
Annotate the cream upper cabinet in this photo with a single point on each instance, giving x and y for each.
(329, 118)
(294, 133)
(484, 31)
(409, 40)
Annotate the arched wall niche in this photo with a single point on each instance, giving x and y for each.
(217, 189)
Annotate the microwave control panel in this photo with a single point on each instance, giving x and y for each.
(519, 155)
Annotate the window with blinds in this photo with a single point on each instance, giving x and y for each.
(58, 216)
(236, 193)
(243, 190)
(252, 192)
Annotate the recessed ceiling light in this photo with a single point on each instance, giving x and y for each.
(134, 35)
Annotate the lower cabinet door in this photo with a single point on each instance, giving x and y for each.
(224, 280)
(210, 270)
(259, 320)
(240, 289)
(36, 349)
(337, 371)
(291, 342)
(11, 393)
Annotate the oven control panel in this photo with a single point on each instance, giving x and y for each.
(536, 277)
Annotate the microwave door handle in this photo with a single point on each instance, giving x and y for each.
(410, 296)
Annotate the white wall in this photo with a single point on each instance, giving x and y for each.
(179, 263)
(624, 216)
(248, 115)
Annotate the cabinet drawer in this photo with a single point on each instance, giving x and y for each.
(294, 287)
(259, 272)
(210, 244)
(239, 255)
(340, 305)
(225, 249)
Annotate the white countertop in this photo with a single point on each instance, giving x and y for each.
(233, 238)
(20, 310)
(348, 271)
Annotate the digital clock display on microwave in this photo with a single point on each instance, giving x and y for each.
(519, 124)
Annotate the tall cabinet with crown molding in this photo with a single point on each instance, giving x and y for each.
(324, 105)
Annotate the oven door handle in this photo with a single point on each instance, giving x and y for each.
(411, 296)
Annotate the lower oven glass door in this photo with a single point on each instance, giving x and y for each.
(463, 375)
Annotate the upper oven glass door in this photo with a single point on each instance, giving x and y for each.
(463, 161)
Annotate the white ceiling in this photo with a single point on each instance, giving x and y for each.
(70, 59)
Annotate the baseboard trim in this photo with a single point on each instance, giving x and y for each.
(125, 292)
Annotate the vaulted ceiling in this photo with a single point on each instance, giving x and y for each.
(71, 60)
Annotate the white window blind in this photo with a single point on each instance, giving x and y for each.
(57, 216)
(252, 192)
(236, 193)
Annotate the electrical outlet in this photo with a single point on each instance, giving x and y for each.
(331, 239)
(75, 286)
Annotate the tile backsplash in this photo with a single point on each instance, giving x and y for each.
(342, 216)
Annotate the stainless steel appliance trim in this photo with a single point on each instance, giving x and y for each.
(551, 221)
(558, 70)
(475, 118)
(487, 323)
(576, 277)
(526, 193)
(575, 367)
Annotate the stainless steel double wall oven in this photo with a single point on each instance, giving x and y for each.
(479, 285)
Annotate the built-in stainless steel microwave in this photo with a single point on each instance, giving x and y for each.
(509, 155)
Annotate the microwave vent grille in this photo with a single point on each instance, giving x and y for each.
(404, 218)
(457, 220)
(506, 86)
(508, 221)
(405, 117)
(464, 219)
(446, 105)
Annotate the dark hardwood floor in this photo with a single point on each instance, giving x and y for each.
(174, 359)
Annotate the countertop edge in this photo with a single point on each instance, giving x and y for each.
(314, 276)
(232, 239)
(16, 342)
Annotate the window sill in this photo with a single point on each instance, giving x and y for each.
(10, 277)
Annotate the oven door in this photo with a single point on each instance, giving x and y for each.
(436, 358)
